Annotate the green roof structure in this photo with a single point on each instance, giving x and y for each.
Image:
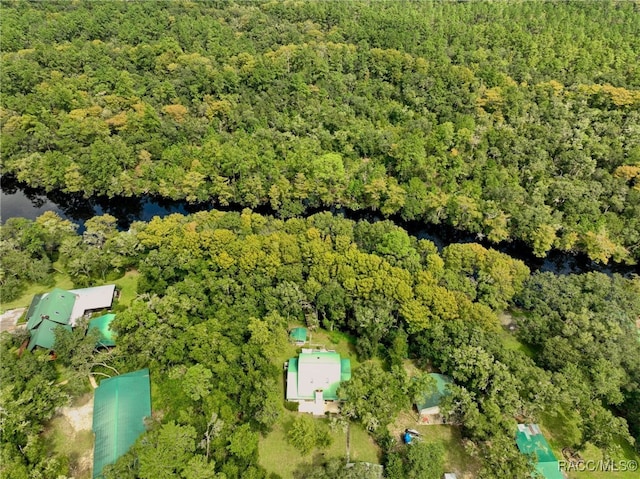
(44, 335)
(531, 442)
(433, 399)
(298, 335)
(55, 306)
(315, 371)
(102, 323)
(34, 304)
(121, 404)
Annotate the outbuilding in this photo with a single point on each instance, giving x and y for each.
(298, 336)
(429, 404)
(531, 442)
(102, 325)
(121, 404)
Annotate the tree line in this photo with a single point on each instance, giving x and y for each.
(216, 295)
(507, 121)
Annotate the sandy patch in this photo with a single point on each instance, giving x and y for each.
(80, 417)
(9, 319)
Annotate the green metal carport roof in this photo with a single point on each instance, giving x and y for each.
(435, 397)
(120, 405)
(531, 442)
(298, 335)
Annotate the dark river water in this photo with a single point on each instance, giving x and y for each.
(19, 200)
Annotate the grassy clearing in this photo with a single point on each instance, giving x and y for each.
(61, 280)
(340, 342)
(128, 286)
(277, 455)
(561, 431)
(591, 453)
(511, 342)
(456, 459)
(62, 438)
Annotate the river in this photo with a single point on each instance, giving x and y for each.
(19, 200)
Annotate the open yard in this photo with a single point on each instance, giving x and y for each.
(127, 285)
(277, 455)
(69, 434)
(61, 280)
(456, 458)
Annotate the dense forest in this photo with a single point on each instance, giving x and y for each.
(215, 297)
(509, 120)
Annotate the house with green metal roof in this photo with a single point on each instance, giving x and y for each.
(313, 379)
(56, 306)
(60, 308)
(46, 314)
(531, 442)
(429, 404)
(298, 336)
(101, 324)
(120, 406)
(45, 334)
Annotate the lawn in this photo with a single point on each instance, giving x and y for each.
(277, 455)
(511, 342)
(61, 280)
(559, 432)
(340, 342)
(456, 459)
(274, 447)
(128, 286)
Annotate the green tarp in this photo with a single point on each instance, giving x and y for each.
(102, 325)
(120, 406)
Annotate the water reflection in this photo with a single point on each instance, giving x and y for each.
(19, 200)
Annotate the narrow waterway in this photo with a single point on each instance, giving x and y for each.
(19, 200)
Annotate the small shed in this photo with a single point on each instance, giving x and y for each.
(107, 338)
(531, 442)
(298, 336)
(429, 405)
(121, 404)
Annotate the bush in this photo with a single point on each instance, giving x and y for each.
(307, 433)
